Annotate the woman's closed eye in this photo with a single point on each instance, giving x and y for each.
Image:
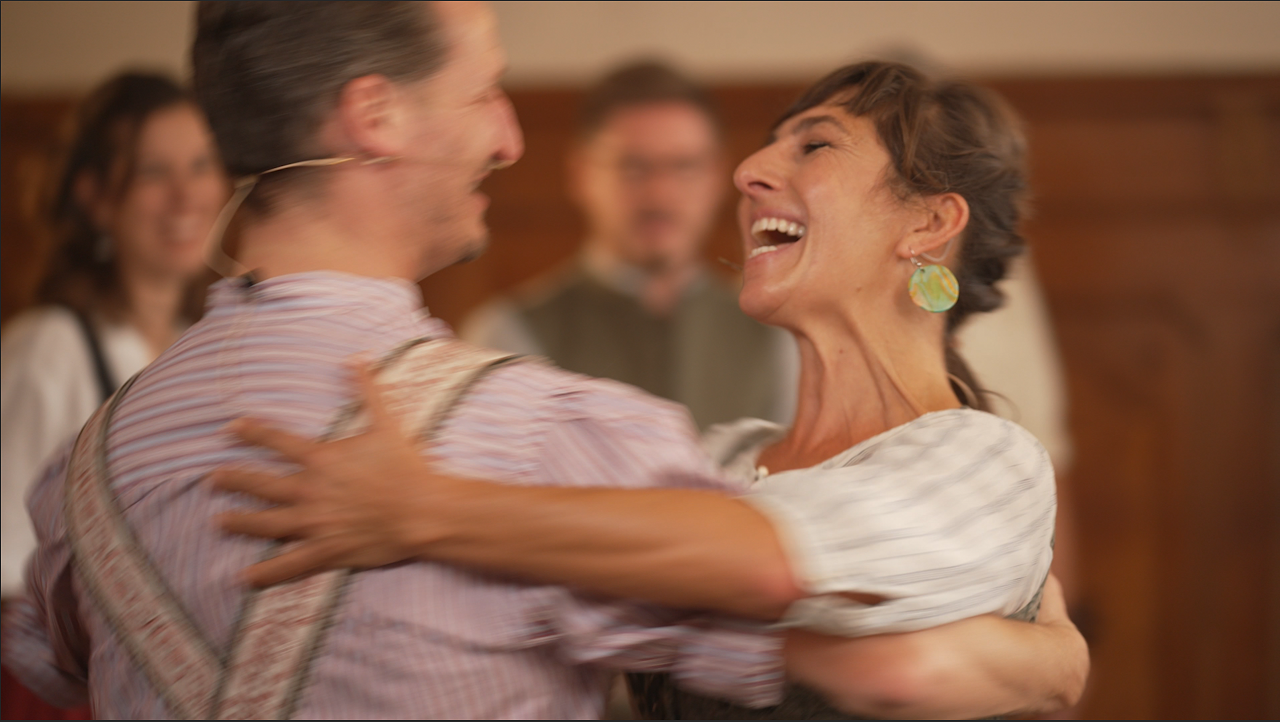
(814, 145)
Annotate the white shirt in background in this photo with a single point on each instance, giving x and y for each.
(48, 389)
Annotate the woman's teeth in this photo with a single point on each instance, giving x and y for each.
(785, 227)
(772, 231)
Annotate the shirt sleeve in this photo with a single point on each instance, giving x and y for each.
(945, 518)
(622, 438)
(738, 660)
(44, 643)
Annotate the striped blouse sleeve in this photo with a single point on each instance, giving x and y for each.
(945, 518)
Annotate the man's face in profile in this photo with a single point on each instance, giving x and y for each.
(463, 127)
(650, 183)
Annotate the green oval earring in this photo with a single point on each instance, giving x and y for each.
(933, 287)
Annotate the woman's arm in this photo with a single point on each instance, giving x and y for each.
(372, 499)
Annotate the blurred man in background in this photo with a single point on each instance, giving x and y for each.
(638, 304)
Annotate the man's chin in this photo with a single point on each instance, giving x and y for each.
(465, 254)
(475, 249)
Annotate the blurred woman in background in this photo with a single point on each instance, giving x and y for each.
(134, 199)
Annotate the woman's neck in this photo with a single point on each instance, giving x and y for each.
(857, 381)
(153, 307)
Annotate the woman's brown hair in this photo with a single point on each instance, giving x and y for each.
(945, 136)
(102, 144)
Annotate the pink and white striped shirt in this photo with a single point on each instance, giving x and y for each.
(412, 640)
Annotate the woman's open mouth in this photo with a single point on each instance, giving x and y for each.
(773, 233)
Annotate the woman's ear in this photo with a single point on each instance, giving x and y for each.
(943, 218)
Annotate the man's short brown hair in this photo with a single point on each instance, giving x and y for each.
(267, 74)
(641, 83)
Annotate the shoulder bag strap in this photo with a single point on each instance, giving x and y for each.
(106, 384)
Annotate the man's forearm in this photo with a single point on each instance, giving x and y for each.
(977, 667)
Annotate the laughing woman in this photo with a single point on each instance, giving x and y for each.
(878, 217)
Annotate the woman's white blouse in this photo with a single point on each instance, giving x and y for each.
(48, 389)
(946, 517)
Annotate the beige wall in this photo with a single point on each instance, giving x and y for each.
(566, 41)
(57, 46)
(70, 45)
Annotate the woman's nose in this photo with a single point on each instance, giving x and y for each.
(756, 174)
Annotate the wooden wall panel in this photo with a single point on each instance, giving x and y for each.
(31, 130)
(1159, 215)
(1157, 236)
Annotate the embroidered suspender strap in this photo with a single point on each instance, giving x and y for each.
(423, 382)
(280, 629)
(151, 624)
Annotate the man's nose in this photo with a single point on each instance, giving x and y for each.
(511, 139)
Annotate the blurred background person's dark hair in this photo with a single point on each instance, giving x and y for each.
(135, 193)
(643, 82)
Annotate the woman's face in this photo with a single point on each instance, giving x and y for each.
(819, 225)
(160, 220)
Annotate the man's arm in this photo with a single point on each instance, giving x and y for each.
(979, 667)
(45, 645)
(713, 656)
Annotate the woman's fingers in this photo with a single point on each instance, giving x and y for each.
(375, 402)
(290, 446)
(367, 382)
(305, 559)
(264, 485)
(277, 523)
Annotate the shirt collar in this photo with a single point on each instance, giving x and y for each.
(321, 290)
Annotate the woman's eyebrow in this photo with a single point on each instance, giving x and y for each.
(815, 120)
(806, 124)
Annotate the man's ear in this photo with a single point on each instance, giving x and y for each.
(942, 218)
(372, 117)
